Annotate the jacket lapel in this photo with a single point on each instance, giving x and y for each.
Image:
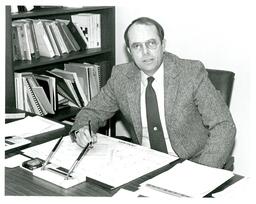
(171, 85)
(133, 95)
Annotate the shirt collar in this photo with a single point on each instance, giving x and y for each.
(157, 75)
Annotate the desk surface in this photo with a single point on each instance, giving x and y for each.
(21, 182)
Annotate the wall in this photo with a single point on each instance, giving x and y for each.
(221, 35)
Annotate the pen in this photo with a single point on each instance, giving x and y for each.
(90, 132)
(51, 153)
(85, 150)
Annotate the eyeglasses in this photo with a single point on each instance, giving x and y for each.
(151, 44)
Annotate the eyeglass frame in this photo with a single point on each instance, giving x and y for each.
(146, 44)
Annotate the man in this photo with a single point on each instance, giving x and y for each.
(195, 121)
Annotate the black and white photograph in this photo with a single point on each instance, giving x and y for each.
(141, 101)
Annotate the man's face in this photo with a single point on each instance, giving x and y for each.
(146, 47)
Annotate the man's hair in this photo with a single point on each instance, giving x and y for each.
(144, 21)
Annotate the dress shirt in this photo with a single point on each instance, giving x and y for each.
(158, 86)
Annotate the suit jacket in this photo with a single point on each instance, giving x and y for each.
(198, 121)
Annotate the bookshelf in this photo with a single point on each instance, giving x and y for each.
(104, 56)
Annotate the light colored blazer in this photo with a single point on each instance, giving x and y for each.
(198, 121)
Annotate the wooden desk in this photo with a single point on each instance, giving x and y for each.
(21, 182)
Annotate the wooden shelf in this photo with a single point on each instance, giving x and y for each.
(42, 61)
(104, 56)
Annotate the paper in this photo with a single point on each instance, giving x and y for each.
(111, 161)
(14, 115)
(30, 126)
(12, 142)
(189, 179)
(15, 161)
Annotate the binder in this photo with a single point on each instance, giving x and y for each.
(32, 99)
(78, 35)
(44, 44)
(72, 77)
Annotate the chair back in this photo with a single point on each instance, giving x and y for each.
(223, 81)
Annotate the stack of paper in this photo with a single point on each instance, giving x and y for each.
(30, 126)
(188, 179)
(16, 132)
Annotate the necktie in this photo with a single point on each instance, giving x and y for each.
(156, 135)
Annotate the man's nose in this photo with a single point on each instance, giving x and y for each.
(145, 49)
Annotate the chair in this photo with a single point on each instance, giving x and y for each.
(223, 81)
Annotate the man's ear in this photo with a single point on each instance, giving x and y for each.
(128, 50)
(163, 44)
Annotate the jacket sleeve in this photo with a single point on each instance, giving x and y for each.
(217, 118)
(102, 107)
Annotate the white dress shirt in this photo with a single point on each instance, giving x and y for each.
(158, 85)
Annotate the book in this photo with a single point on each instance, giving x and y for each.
(36, 53)
(50, 34)
(68, 34)
(82, 74)
(44, 44)
(90, 26)
(72, 76)
(93, 76)
(16, 51)
(40, 95)
(20, 39)
(24, 38)
(64, 36)
(78, 35)
(63, 86)
(33, 102)
(19, 91)
(48, 83)
(58, 38)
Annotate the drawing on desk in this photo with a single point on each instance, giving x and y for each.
(110, 162)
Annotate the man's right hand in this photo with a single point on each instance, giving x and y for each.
(82, 137)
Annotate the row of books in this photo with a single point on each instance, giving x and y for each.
(43, 94)
(35, 38)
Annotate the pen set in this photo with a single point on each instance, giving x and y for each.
(60, 170)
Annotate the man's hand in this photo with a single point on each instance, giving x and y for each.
(82, 137)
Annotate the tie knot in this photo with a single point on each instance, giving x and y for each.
(150, 80)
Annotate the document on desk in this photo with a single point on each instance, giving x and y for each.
(188, 179)
(111, 162)
(30, 126)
